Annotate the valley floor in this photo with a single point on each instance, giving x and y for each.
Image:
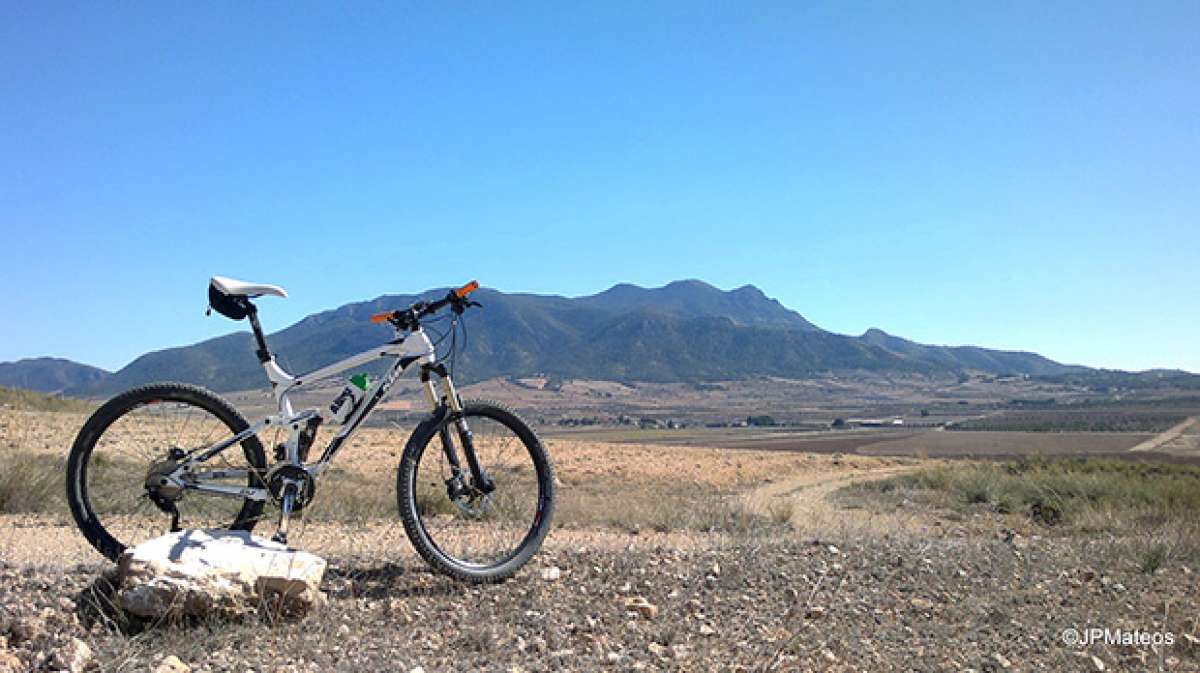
(754, 560)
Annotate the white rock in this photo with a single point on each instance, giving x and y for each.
(552, 573)
(172, 664)
(222, 573)
(74, 657)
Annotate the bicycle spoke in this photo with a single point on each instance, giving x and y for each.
(116, 464)
(479, 529)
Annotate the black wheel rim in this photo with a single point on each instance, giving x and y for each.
(479, 531)
(112, 475)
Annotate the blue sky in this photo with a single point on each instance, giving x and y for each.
(1014, 175)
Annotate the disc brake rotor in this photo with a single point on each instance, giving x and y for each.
(474, 506)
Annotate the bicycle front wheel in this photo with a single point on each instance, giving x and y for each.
(459, 529)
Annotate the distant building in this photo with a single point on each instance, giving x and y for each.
(874, 422)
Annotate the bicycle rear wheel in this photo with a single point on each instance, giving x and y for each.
(109, 462)
(471, 535)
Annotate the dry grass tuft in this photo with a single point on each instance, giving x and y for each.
(1152, 510)
(32, 483)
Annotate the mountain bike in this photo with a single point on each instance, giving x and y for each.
(475, 485)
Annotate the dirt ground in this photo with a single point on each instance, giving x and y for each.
(798, 583)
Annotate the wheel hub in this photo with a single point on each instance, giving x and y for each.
(161, 484)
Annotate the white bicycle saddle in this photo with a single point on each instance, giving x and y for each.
(241, 288)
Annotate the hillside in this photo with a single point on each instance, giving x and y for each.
(684, 331)
(745, 306)
(970, 357)
(48, 375)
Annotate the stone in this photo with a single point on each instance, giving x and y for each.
(706, 630)
(10, 663)
(75, 656)
(921, 603)
(172, 664)
(27, 628)
(1098, 663)
(551, 574)
(217, 573)
(641, 606)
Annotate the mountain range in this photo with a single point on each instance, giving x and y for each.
(48, 375)
(685, 331)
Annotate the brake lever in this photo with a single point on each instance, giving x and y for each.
(461, 305)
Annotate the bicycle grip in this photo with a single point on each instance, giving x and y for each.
(467, 289)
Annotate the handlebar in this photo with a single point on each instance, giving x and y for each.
(409, 318)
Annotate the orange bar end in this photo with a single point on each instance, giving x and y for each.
(467, 289)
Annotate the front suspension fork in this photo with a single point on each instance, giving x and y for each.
(480, 480)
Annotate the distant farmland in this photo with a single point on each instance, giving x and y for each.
(1087, 420)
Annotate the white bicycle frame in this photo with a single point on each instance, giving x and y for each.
(410, 349)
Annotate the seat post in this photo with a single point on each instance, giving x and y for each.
(264, 355)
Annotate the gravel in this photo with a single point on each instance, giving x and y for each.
(760, 603)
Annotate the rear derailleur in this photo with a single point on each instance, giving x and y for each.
(163, 489)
